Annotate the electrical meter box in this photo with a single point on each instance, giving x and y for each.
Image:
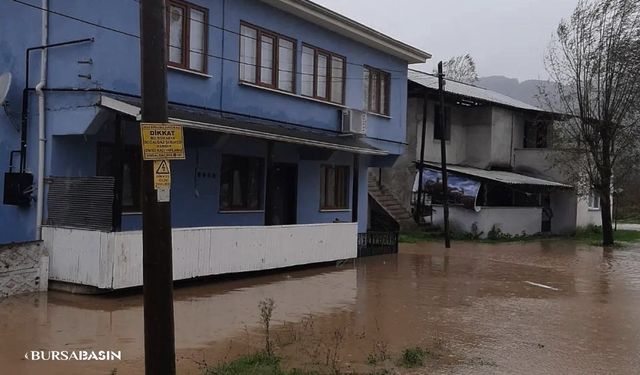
(17, 188)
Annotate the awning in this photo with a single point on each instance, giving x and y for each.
(209, 120)
(504, 177)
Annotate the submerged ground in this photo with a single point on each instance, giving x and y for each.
(543, 307)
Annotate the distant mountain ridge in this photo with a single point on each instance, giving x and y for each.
(525, 91)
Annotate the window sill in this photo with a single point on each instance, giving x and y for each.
(248, 84)
(132, 213)
(379, 115)
(335, 210)
(241, 211)
(591, 209)
(188, 71)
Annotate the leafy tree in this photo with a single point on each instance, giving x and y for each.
(594, 60)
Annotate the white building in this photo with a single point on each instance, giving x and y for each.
(500, 157)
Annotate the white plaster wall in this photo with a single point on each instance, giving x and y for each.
(456, 146)
(540, 162)
(585, 215)
(502, 128)
(510, 220)
(114, 260)
(478, 137)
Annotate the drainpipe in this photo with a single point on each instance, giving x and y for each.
(41, 119)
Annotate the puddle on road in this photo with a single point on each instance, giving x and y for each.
(478, 299)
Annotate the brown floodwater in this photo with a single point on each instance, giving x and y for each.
(543, 307)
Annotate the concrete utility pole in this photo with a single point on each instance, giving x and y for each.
(159, 340)
(443, 154)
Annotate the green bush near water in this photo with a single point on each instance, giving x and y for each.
(254, 364)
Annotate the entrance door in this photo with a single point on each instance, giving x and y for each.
(281, 207)
(547, 213)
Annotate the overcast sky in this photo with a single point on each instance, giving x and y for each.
(505, 37)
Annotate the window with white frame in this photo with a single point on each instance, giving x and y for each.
(594, 200)
(323, 74)
(187, 26)
(267, 58)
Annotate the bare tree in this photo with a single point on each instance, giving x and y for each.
(594, 60)
(460, 68)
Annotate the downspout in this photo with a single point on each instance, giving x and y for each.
(41, 119)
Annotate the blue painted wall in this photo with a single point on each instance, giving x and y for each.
(115, 66)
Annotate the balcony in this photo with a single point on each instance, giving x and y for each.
(113, 260)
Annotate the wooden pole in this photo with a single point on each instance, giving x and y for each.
(159, 340)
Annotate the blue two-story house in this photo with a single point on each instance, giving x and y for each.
(284, 105)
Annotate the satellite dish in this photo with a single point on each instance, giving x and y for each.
(5, 83)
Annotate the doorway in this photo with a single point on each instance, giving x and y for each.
(282, 194)
(547, 213)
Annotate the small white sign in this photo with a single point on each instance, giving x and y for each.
(164, 195)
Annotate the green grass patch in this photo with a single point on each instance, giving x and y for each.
(412, 357)
(593, 235)
(416, 237)
(255, 364)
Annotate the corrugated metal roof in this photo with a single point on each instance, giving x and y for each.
(470, 91)
(508, 178)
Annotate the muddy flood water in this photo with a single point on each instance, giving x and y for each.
(544, 307)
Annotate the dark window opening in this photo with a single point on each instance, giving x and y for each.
(437, 128)
(334, 187)
(241, 183)
(187, 35)
(107, 165)
(503, 195)
(536, 134)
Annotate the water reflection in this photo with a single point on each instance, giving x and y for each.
(473, 296)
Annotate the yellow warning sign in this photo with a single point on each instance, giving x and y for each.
(161, 174)
(162, 141)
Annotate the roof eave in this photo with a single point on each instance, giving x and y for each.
(354, 30)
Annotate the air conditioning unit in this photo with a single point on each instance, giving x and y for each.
(353, 121)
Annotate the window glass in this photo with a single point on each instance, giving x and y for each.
(377, 85)
(285, 64)
(334, 185)
(266, 59)
(307, 71)
(187, 35)
(241, 183)
(196, 40)
(366, 88)
(374, 91)
(337, 75)
(248, 53)
(383, 94)
(176, 22)
(594, 200)
(321, 76)
(276, 68)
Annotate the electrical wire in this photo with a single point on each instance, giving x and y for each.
(125, 33)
